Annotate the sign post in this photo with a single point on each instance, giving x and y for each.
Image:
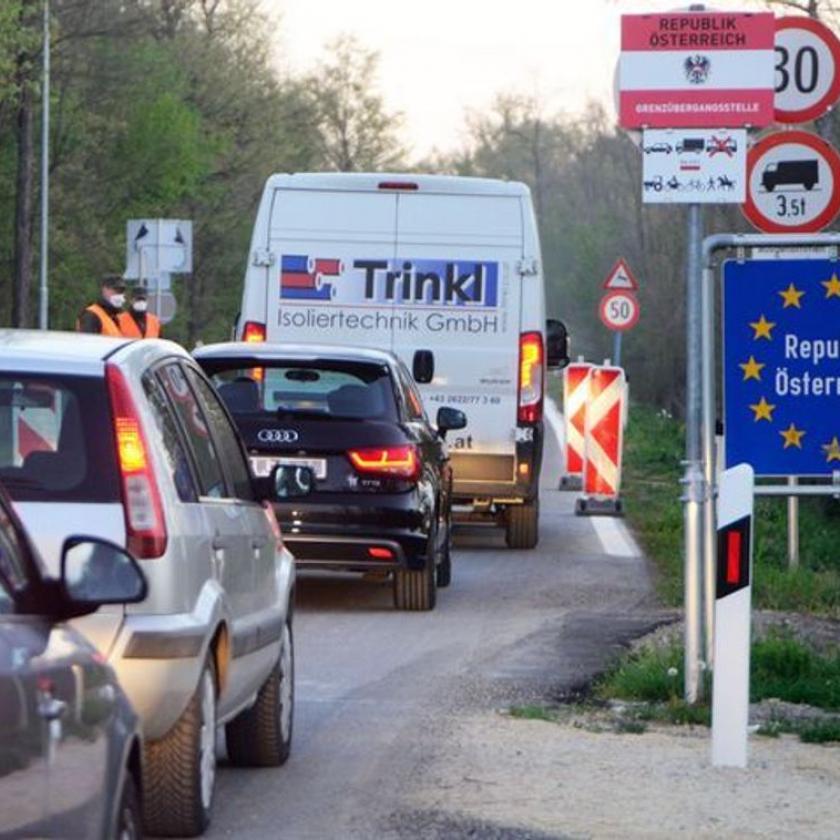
(733, 596)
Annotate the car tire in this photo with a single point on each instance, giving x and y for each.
(129, 822)
(416, 589)
(522, 525)
(262, 735)
(180, 768)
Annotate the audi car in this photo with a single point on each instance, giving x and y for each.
(352, 420)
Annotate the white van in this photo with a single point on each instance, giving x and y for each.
(446, 272)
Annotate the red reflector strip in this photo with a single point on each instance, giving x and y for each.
(733, 557)
(397, 185)
(381, 553)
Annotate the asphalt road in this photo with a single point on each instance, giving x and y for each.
(378, 689)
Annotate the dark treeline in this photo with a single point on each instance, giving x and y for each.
(177, 108)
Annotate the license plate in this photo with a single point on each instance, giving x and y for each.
(262, 467)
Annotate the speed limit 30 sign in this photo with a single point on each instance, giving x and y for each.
(807, 69)
(619, 310)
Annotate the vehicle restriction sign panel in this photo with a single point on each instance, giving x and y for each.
(619, 310)
(690, 166)
(807, 69)
(793, 183)
(781, 330)
(694, 69)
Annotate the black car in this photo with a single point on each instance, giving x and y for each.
(381, 495)
(70, 751)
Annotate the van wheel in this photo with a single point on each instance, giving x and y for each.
(180, 772)
(522, 525)
(262, 735)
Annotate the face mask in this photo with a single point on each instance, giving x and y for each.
(140, 305)
(117, 301)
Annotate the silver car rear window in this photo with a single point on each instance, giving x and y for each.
(56, 439)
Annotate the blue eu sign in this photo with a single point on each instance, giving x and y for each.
(781, 330)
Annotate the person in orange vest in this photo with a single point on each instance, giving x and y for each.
(138, 322)
(101, 317)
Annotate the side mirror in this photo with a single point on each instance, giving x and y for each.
(450, 419)
(290, 481)
(95, 572)
(423, 366)
(556, 344)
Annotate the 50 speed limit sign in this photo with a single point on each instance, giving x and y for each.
(807, 69)
(619, 310)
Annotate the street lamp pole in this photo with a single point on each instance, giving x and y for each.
(43, 312)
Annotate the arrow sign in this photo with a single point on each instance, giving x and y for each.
(620, 277)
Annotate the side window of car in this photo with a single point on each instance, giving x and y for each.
(413, 400)
(173, 447)
(12, 575)
(225, 436)
(191, 419)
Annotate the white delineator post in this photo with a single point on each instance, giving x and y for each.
(731, 691)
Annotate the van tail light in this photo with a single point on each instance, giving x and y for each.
(388, 461)
(531, 377)
(144, 522)
(254, 333)
(398, 185)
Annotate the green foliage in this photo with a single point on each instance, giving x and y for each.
(533, 713)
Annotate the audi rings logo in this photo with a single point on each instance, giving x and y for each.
(277, 436)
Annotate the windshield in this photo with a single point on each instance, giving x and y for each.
(56, 442)
(328, 389)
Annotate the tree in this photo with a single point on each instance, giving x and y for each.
(356, 133)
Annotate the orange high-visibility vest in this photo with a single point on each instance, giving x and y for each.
(108, 327)
(129, 327)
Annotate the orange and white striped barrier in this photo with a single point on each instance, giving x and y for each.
(603, 441)
(575, 390)
(35, 430)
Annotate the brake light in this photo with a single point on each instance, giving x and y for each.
(398, 185)
(389, 461)
(531, 373)
(380, 553)
(254, 333)
(144, 522)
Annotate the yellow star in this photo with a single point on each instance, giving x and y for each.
(763, 410)
(752, 369)
(832, 450)
(762, 328)
(793, 436)
(832, 286)
(791, 297)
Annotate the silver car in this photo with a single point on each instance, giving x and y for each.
(70, 750)
(127, 440)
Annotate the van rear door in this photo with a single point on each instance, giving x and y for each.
(463, 252)
(325, 242)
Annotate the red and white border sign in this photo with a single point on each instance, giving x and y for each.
(619, 310)
(807, 69)
(793, 183)
(696, 69)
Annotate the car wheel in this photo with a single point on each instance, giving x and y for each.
(180, 772)
(416, 589)
(262, 735)
(129, 816)
(522, 525)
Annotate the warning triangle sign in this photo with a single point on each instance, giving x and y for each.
(620, 277)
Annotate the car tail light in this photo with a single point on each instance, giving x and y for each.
(254, 333)
(268, 509)
(531, 373)
(144, 520)
(388, 461)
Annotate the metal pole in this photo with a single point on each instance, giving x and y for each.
(709, 573)
(693, 479)
(793, 525)
(617, 349)
(158, 281)
(44, 302)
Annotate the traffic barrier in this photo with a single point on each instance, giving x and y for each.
(575, 389)
(35, 430)
(606, 396)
